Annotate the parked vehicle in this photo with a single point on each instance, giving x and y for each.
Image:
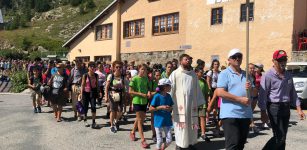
(299, 73)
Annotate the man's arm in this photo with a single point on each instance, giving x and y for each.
(221, 92)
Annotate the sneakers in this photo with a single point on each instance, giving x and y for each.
(144, 144)
(39, 110)
(79, 119)
(35, 110)
(112, 129)
(205, 138)
(86, 124)
(255, 130)
(94, 125)
(132, 136)
(154, 138)
(164, 146)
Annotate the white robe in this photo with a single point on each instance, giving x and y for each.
(187, 96)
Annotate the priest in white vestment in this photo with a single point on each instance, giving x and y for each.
(187, 96)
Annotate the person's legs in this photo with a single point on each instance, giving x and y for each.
(86, 101)
(38, 102)
(168, 135)
(140, 124)
(59, 112)
(244, 129)
(74, 99)
(33, 96)
(203, 125)
(152, 127)
(159, 137)
(283, 122)
(93, 109)
(232, 133)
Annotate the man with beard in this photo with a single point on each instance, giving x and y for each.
(276, 94)
(187, 97)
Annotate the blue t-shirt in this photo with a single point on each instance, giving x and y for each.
(235, 85)
(162, 118)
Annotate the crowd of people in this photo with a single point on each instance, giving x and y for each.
(178, 97)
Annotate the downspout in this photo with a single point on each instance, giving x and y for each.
(118, 36)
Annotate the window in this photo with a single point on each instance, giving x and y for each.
(166, 24)
(217, 16)
(103, 58)
(83, 58)
(243, 12)
(135, 28)
(104, 32)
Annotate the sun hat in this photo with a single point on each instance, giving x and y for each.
(164, 81)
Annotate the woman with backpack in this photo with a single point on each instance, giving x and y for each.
(115, 89)
(58, 82)
(89, 92)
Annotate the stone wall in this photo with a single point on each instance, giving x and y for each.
(160, 57)
(299, 56)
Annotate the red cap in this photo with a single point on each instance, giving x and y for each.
(278, 54)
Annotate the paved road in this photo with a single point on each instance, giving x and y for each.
(20, 129)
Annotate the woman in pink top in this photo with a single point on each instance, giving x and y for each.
(89, 92)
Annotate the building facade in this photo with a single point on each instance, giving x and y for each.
(160, 30)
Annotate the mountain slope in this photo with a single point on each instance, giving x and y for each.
(49, 30)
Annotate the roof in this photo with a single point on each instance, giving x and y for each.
(90, 23)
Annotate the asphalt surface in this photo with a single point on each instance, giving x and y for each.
(20, 129)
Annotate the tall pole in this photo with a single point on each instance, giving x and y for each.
(247, 44)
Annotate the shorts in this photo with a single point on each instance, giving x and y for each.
(202, 112)
(138, 107)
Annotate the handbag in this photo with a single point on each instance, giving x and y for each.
(80, 107)
(116, 97)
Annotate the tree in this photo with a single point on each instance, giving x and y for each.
(42, 5)
(90, 4)
(75, 2)
(26, 43)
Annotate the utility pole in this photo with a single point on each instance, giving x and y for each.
(247, 45)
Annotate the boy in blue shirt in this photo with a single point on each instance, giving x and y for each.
(161, 105)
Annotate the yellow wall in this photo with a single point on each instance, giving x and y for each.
(90, 47)
(275, 22)
(270, 30)
(139, 9)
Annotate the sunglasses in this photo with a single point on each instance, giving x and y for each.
(236, 56)
(283, 59)
(92, 66)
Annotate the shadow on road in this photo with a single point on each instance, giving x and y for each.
(211, 145)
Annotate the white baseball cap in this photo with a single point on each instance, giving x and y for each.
(164, 81)
(233, 52)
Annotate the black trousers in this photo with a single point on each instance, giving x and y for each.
(236, 131)
(279, 115)
(88, 99)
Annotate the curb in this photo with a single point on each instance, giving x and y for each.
(14, 94)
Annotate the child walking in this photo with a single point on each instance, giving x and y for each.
(34, 84)
(161, 105)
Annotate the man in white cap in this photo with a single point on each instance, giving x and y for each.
(187, 97)
(236, 111)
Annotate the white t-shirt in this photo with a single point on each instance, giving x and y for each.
(214, 77)
(101, 77)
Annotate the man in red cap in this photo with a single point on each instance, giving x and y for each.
(276, 94)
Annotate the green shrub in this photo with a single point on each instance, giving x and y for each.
(19, 81)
